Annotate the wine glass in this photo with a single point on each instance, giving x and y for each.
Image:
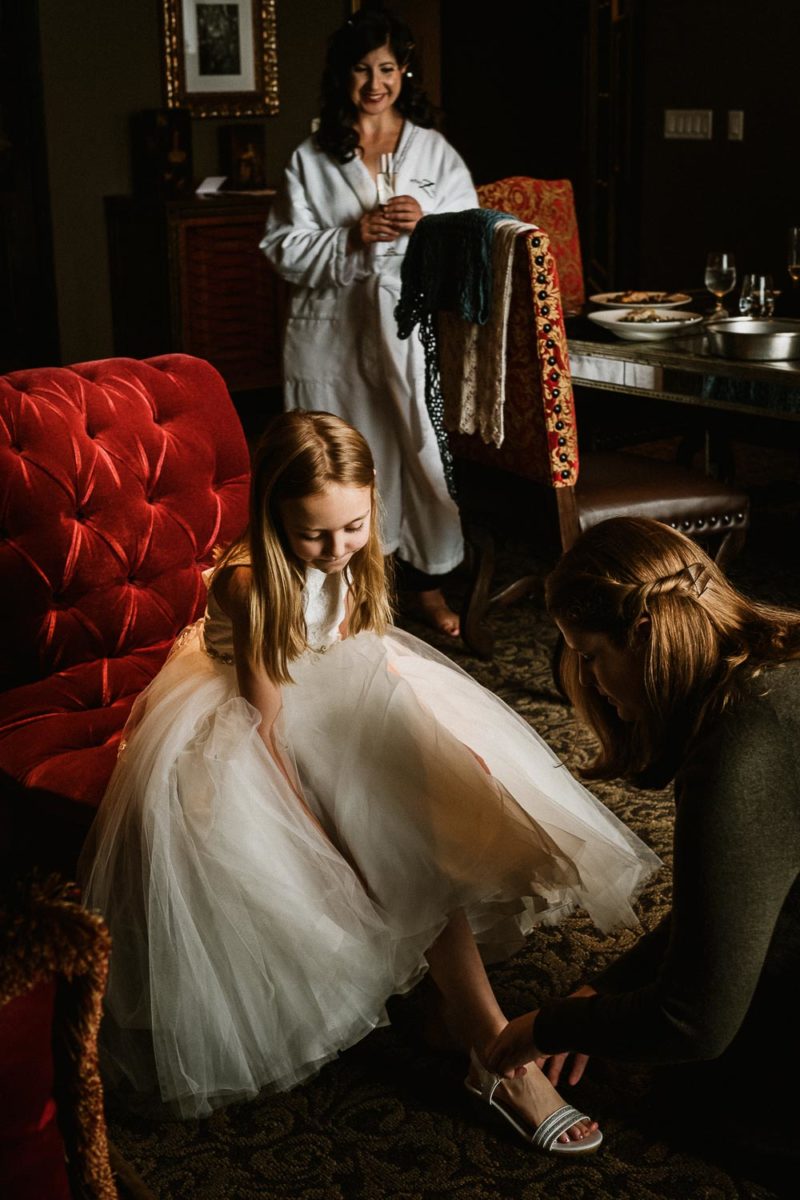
(757, 297)
(793, 255)
(720, 278)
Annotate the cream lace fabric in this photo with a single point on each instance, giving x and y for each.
(472, 358)
(323, 607)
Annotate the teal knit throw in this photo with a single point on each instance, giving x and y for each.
(447, 268)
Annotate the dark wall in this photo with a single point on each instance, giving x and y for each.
(516, 101)
(512, 86)
(720, 194)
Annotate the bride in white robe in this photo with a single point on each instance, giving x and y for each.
(342, 253)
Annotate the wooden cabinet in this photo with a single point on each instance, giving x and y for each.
(188, 275)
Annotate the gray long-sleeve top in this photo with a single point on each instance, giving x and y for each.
(683, 992)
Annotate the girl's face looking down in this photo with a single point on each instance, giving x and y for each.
(326, 529)
(375, 81)
(616, 672)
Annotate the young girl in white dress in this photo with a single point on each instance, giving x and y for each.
(312, 808)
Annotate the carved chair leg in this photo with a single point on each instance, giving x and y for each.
(517, 590)
(729, 547)
(475, 632)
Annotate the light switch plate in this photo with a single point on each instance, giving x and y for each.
(691, 124)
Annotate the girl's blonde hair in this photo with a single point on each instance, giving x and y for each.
(706, 641)
(301, 454)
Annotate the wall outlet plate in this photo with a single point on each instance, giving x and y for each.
(735, 125)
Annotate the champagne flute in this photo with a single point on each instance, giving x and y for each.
(720, 278)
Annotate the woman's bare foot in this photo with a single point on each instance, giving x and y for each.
(436, 612)
(533, 1098)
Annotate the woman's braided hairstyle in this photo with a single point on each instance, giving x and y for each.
(705, 641)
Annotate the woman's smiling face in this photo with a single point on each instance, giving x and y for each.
(375, 81)
(616, 672)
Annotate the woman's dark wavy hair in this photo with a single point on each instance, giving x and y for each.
(368, 29)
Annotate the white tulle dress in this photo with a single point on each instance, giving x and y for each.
(250, 947)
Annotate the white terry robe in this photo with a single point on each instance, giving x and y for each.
(341, 351)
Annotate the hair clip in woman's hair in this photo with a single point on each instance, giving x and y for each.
(409, 74)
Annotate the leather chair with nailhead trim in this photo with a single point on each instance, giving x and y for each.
(541, 445)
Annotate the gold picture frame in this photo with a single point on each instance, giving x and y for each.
(220, 58)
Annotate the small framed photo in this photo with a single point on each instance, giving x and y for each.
(241, 157)
(220, 58)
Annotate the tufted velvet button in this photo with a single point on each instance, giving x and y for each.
(740, 516)
(699, 523)
(686, 524)
(726, 518)
(673, 524)
(713, 520)
(80, 515)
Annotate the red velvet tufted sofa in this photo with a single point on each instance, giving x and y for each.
(119, 477)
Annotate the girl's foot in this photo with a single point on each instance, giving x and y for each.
(530, 1100)
(434, 610)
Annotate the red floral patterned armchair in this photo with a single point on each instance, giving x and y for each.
(119, 478)
(549, 203)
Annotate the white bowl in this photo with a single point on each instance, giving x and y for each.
(646, 330)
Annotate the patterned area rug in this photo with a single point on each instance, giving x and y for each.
(390, 1120)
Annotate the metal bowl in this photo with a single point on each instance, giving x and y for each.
(752, 338)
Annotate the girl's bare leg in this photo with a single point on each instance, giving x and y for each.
(474, 1018)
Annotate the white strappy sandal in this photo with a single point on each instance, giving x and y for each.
(545, 1136)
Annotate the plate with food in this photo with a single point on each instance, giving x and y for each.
(640, 299)
(642, 324)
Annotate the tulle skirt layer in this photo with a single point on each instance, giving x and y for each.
(252, 943)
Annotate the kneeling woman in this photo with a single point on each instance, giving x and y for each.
(680, 676)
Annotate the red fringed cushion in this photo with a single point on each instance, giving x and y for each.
(549, 203)
(32, 1163)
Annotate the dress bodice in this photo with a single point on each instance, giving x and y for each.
(324, 608)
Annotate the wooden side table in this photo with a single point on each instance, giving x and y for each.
(188, 275)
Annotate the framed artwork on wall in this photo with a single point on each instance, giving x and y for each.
(220, 57)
